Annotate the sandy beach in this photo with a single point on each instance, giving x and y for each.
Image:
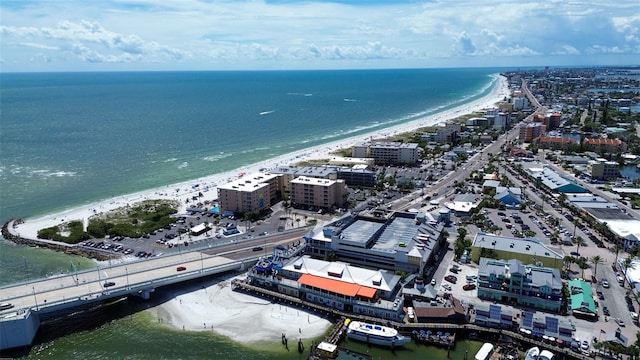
(217, 308)
(238, 316)
(207, 185)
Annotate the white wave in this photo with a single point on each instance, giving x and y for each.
(220, 156)
(349, 100)
(253, 150)
(171, 160)
(61, 173)
(300, 94)
(267, 112)
(183, 165)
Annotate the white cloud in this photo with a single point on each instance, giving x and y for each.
(192, 34)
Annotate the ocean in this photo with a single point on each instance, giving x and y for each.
(68, 139)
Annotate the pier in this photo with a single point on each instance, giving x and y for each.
(456, 330)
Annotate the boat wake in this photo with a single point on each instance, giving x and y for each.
(267, 112)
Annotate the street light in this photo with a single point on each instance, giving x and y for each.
(34, 296)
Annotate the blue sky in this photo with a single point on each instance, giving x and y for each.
(103, 35)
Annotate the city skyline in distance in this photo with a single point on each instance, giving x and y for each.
(155, 35)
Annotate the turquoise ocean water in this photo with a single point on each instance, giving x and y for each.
(68, 139)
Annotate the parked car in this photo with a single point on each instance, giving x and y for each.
(451, 278)
(600, 295)
(446, 286)
(605, 311)
(467, 287)
(575, 253)
(620, 322)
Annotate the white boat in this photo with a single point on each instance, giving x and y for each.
(532, 354)
(545, 355)
(375, 334)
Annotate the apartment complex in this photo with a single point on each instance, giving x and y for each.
(512, 282)
(608, 145)
(446, 135)
(250, 193)
(388, 152)
(531, 131)
(318, 192)
(602, 169)
(555, 143)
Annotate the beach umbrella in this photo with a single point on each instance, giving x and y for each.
(429, 332)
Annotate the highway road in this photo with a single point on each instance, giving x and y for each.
(126, 275)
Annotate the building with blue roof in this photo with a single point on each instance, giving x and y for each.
(549, 178)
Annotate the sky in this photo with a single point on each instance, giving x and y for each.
(161, 35)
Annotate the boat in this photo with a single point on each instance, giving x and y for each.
(485, 352)
(532, 354)
(545, 355)
(375, 334)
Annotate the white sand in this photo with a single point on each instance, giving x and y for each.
(182, 191)
(242, 317)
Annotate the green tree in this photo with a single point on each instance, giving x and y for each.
(579, 242)
(627, 264)
(596, 260)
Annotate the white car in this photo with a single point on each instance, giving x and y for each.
(620, 322)
(605, 284)
(446, 286)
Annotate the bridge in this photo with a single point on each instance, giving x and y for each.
(30, 301)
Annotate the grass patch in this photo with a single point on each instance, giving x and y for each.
(133, 221)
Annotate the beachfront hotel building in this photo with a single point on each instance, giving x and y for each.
(250, 193)
(397, 242)
(317, 192)
(336, 285)
(528, 250)
(388, 152)
(355, 175)
(512, 282)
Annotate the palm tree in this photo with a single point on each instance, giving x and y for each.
(579, 242)
(596, 260)
(626, 264)
(583, 265)
(567, 261)
(617, 247)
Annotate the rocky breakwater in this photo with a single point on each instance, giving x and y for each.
(9, 233)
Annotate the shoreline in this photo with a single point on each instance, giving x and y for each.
(208, 184)
(216, 307)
